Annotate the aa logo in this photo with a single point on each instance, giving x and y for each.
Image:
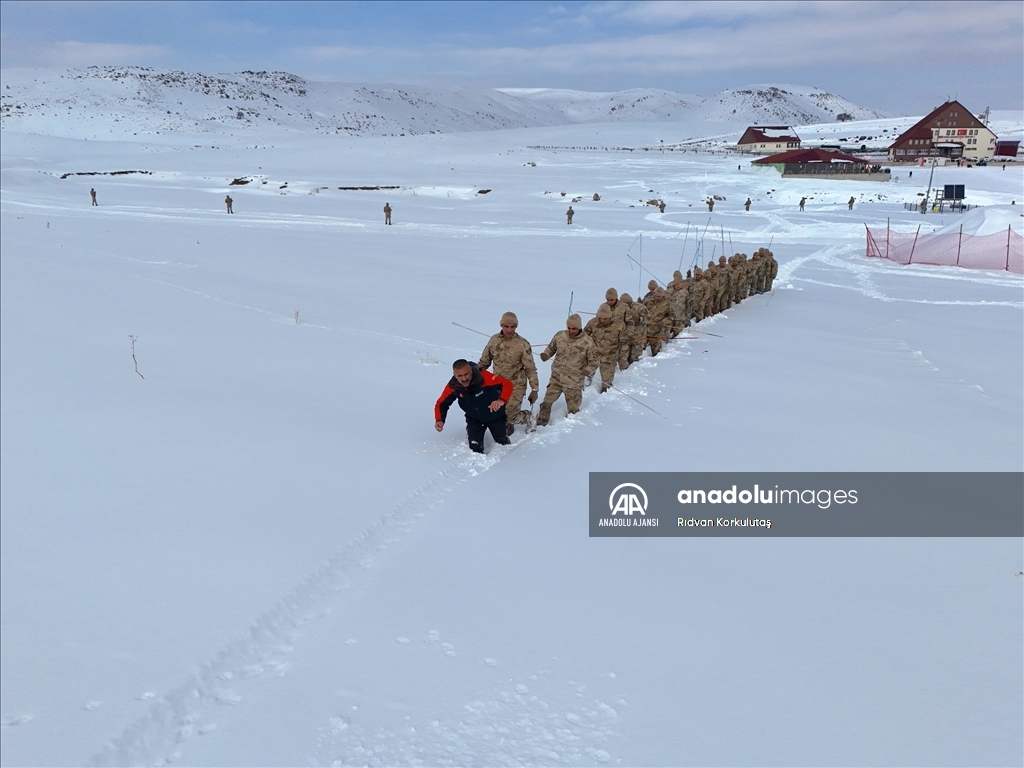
(625, 499)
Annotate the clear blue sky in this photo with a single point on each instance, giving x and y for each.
(901, 56)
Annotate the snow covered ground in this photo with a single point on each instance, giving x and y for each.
(261, 553)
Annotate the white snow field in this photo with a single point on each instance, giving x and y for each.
(262, 553)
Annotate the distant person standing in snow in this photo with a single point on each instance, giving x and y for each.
(746, 205)
(849, 203)
(512, 358)
(569, 214)
(92, 194)
(711, 204)
(803, 201)
(229, 203)
(661, 206)
(387, 213)
(482, 396)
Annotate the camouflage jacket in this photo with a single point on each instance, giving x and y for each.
(637, 317)
(575, 359)
(511, 357)
(661, 316)
(608, 339)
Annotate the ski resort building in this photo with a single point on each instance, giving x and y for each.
(821, 162)
(950, 131)
(766, 139)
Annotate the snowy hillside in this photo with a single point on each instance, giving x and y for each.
(105, 102)
(781, 104)
(231, 536)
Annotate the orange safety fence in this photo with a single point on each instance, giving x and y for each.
(1001, 250)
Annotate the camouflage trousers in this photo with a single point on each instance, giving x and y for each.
(656, 337)
(636, 349)
(573, 400)
(722, 300)
(513, 408)
(607, 368)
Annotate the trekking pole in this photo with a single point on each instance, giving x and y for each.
(612, 386)
(706, 333)
(683, 254)
(571, 293)
(474, 330)
(577, 369)
(644, 269)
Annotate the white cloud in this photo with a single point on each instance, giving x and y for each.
(911, 38)
(73, 53)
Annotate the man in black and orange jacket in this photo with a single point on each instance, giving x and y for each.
(482, 395)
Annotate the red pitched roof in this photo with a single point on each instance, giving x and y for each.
(756, 134)
(922, 129)
(809, 156)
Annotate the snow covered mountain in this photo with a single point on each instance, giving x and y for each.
(104, 102)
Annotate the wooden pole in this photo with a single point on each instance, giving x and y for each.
(915, 244)
(1007, 247)
(958, 242)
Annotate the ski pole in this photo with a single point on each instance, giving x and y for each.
(612, 386)
(577, 369)
(571, 293)
(707, 333)
(644, 269)
(474, 330)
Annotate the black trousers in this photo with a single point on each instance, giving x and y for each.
(477, 429)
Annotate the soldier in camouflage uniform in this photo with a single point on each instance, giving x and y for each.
(700, 294)
(652, 286)
(759, 271)
(724, 298)
(611, 298)
(637, 316)
(512, 358)
(711, 278)
(771, 269)
(736, 285)
(609, 335)
(575, 359)
(659, 325)
(677, 298)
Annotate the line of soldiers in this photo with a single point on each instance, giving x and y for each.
(620, 331)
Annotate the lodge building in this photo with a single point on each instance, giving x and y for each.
(768, 139)
(949, 131)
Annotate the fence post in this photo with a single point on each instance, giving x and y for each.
(1007, 247)
(911, 261)
(887, 237)
(960, 240)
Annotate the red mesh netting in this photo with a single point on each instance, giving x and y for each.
(1002, 250)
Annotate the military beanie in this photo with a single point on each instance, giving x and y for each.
(574, 321)
(509, 318)
(611, 295)
(604, 312)
(626, 298)
(652, 284)
(677, 275)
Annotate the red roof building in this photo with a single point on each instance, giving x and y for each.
(822, 162)
(768, 138)
(809, 156)
(948, 131)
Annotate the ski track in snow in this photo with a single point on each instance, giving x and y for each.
(863, 270)
(504, 726)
